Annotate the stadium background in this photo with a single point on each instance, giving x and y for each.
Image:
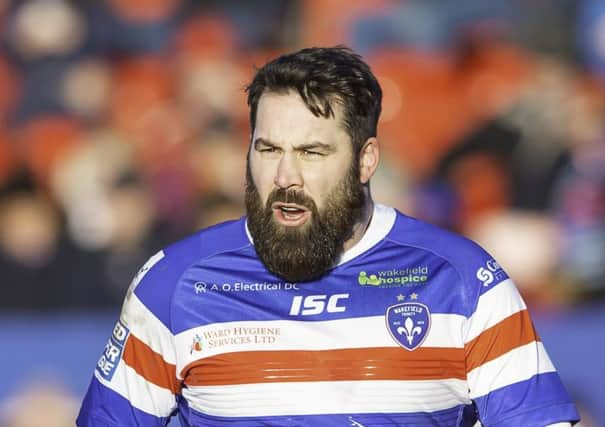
(123, 127)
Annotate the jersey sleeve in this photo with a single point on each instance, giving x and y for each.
(134, 382)
(512, 381)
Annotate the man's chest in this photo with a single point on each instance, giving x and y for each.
(367, 338)
(373, 321)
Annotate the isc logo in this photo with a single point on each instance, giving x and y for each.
(317, 304)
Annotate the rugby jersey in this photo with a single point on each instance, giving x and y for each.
(415, 326)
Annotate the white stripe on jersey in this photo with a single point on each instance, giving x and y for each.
(325, 397)
(517, 365)
(494, 306)
(446, 331)
(144, 269)
(144, 325)
(142, 394)
(381, 223)
(361, 332)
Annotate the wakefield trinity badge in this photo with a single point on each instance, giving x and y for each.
(408, 323)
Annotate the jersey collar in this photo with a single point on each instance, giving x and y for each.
(381, 223)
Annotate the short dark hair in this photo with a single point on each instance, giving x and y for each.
(323, 76)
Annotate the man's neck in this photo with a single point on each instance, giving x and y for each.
(361, 227)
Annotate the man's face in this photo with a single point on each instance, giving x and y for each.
(303, 193)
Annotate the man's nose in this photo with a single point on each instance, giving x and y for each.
(288, 172)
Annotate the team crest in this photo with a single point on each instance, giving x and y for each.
(408, 323)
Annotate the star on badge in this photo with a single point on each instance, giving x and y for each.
(400, 297)
(414, 296)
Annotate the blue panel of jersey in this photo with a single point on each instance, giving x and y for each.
(525, 406)
(157, 287)
(101, 405)
(462, 416)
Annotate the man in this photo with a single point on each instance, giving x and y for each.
(322, 308)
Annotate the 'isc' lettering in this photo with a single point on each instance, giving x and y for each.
(316, 304)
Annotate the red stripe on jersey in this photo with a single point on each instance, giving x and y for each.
(150, 365)
(512, 332)
(381, 363)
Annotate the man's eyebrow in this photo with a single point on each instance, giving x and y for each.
(261, 141)
(316, 145)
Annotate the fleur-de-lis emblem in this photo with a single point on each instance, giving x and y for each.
(409, 330)
(408, 323)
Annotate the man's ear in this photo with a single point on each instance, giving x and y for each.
(368, 159)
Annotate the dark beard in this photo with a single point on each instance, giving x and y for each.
(300, 254)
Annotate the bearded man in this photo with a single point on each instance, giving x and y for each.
(321, 307)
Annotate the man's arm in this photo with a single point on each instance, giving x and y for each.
(511, 378)
(134, 382)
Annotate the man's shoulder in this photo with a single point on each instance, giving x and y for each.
(155, 283)
(464, 255)
(411, 231)
(221, 237)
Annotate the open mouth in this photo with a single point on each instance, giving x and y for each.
(290, 214)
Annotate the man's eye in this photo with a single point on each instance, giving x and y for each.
(268, 150)
(311, 153)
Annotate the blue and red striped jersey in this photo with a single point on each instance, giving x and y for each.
(413, 326)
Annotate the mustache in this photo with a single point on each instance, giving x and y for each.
(284, 195)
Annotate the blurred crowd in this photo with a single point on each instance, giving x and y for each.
(124, 126)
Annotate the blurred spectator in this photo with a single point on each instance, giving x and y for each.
(580, 208)
(29, 235)
(41, 269)
(110, 210)
(478, 169)
(42, 28)
(44, 141)
(42, 37)
(86, 86)
(542, 113)
(80, 182)
(133, 235)
(29, 225)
